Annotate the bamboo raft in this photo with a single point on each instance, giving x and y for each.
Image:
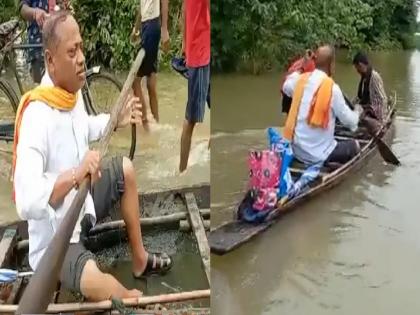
(235, 233)
(185, 209)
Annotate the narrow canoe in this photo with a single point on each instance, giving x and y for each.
(233, 234)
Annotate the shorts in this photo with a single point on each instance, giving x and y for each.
(106, 193)
(150, 38)
(37, 67)
(343, 152)
(198, 93)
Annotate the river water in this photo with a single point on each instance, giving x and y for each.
(352, 250)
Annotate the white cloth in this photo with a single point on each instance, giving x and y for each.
(313, 145)
(51, 142)
(150, 9)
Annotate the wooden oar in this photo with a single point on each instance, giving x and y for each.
(38, 294)
(383, 148)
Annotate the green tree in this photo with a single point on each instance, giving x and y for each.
(260, 34)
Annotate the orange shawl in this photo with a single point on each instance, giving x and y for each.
(55, 97)
(319, 112)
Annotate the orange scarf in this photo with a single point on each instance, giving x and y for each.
(54, 97)
(319, 112)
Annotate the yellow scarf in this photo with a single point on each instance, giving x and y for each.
(319, 112)
(54, 97)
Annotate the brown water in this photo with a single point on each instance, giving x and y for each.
(157, 153)
(352, 250)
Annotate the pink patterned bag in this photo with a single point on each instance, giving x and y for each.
(264, 172)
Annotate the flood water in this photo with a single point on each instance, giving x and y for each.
(352, 250)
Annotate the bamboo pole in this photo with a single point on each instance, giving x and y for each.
(107, 305)
(38, 294)
(145, 222)
(165, 219)
(185, 226)
(186, 311)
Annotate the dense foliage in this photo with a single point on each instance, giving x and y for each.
(7, 10)
(253, 34)
(106, 26)
(264, 33)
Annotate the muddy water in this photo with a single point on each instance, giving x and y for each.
(353, 250)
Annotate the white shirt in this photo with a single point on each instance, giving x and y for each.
(150, 9)
(312, 145)
(51, 142)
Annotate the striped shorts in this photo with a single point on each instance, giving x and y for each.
(198, 93)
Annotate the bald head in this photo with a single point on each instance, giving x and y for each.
(325, 58)
(51, 34)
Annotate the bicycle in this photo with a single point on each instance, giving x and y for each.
(9, 99)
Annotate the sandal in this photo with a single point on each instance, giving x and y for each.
(157, 263)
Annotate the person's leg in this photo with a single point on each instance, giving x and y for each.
(98, 286)
(37, 66)
(198, 82)
(80, 273)
(153, 98)
(138, 92)
(146, 67)
(130, 212)
(153, 49)
(187, 131)
(344, 152)
(118, 183)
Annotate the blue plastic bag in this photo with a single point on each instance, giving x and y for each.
(283, 147)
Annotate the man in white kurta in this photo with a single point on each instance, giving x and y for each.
(53, 157)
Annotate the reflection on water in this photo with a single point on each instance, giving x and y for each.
(354, 249)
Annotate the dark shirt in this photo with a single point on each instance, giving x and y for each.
(34, 33)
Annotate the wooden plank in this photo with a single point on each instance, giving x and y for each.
(6, 245)
(185, 226)
(199, 232)
(152, 221)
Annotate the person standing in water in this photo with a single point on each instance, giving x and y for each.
(197, 52)
(152, 17)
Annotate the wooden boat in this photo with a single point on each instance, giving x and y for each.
(231, 235)
(162, 212)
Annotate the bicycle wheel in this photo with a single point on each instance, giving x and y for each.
(8, 105)
(100, 96)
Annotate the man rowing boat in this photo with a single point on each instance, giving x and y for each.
(370, 93)
(317, 102)
(52, 157)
